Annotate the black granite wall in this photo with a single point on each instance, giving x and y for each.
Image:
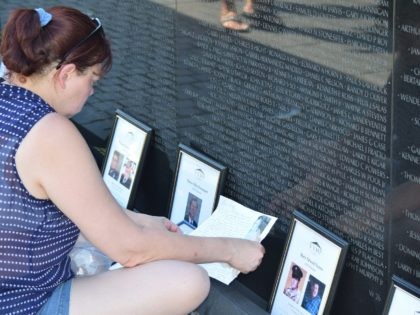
(316, 108)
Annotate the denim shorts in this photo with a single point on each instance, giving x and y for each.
(59, 301)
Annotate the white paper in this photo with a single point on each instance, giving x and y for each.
(231, 219)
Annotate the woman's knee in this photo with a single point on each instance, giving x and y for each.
(186, 285)
(195, 282)
(202, 281)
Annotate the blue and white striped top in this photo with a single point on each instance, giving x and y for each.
(35, 236)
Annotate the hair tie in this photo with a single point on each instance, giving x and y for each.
(44, 16)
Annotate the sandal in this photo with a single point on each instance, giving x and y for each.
(234, 23)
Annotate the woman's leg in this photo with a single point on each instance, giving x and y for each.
(161, 287)
(229, 17)
(249, 7)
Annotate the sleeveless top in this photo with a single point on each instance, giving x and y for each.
(35, 236)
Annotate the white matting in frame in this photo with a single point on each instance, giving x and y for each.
(197, 185)
(403, 298)
(309, 270)
(125, 156)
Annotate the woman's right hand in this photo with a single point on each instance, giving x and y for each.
(246, 255)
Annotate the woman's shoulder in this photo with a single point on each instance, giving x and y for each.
(54, 124)
(54, 119)
(51, 144)
(54, 131)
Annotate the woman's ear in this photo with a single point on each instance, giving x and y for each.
(66, 73)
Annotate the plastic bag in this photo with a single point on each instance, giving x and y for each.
(87, 260)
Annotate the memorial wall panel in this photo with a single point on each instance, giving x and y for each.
(308, 110)
(316, 108)
(404, 201)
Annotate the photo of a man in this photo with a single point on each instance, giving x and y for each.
(116, 162)
(293, 287)
(192, 212)
(126, 177)
(313, 295)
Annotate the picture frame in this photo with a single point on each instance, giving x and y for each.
(124, 158)
(309, 271)
(403, 298)
(197, 185)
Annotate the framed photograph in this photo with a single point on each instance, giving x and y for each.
(125, 156)
(198, 182)
(309, 270)
(403, 298)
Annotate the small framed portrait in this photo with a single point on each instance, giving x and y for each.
(197, 185)
(309, 270)
(403, 298)
(192, 210)
(124, 158)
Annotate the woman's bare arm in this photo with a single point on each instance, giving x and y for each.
(55, 162)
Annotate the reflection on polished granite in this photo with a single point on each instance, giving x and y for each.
(347, 36)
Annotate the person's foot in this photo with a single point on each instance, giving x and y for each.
(248, 8)
(233, 22)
